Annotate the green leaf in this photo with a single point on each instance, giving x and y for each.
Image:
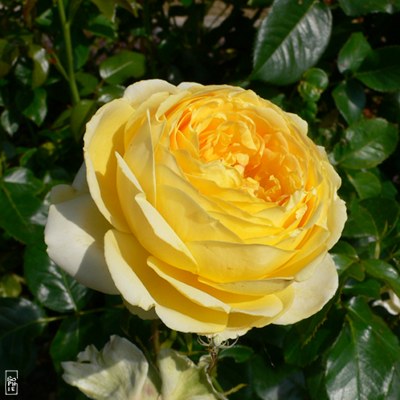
(363, 7)
(9, 122)
(126, 64)
(366, 144)
(21, 212)
(276, 382)
(344, 255)
(50, 285)
(290, 40)
(381, 69)
(372, 217)
(350, 100)
(385, 213)
(8, 56)
(382, 270)
(102, 26)
(370, 288)
(106, 7)
(36, 110)
(20, 323)
(41, 65)
(239, 353)
(364, 362)
(110, 92)
(353, 53)
(80, 114)
(307, 339)
(366, 183)
(87, 83)
(360, 223)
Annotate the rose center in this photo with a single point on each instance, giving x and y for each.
(245, 145)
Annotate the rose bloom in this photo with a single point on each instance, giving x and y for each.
(205, 206)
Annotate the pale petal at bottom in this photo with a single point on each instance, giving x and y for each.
(74, 236)
(312, 294)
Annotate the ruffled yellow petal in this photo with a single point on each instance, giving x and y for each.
(104, 136)
(312, 294)
(141, 286)
(148, 225)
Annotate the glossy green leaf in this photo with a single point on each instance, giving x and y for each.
(73, 335)
(385, 272)
(363, 7)
(102, 26)
(36, 110)
(41, 65)
(81, 114)
(23, 73)
(87, 83)
(9, 122)
(110, 92)
(364, 362)
(239, 353)
(21, 211)
(344, 255)
(372, 217)
(369, 288)
(366, 183)
(50, 285)
(307, 339)
(350, 100)
(21, 321)
(290, 40)
(359, 223)
(366, 144)
(8, 56)
(126, 64)
(384, 212)
(274, 383)
(353, 53)
(107, 7)
(81, 55)
(381, 69)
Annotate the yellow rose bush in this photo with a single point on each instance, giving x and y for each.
(205, 206)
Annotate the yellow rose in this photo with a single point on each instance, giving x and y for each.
(205, 206)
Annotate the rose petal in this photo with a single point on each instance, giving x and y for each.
(265, 304)
(194, 222)
(127, 268)
(141, 286)
(186, 283)
(151, 229)
(74, 236)
(251, 288)
(312, 294)
(228, 262)
(104, 136)
(141, 91)
(119, 371)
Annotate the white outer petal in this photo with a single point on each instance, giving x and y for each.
(140, 91)
(312, 294)
(74, 237)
